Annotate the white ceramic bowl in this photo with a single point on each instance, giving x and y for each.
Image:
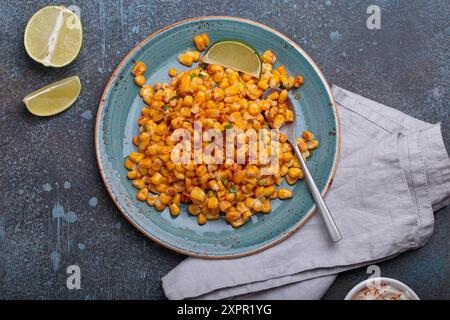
(395, 283)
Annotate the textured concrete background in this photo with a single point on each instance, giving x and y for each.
(49, 169)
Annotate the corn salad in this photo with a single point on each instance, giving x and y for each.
(219, 98)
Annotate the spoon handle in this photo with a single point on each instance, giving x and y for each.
(320, 203)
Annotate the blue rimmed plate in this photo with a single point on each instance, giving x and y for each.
(116, 124)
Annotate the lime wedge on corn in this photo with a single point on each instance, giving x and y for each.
(236, 55)
(53, 36)
(54, 98)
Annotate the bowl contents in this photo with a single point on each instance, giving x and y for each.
(223, 100)
(53, 98)
(383, 291)
(54, 36)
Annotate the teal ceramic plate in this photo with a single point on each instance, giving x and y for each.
(117, 123)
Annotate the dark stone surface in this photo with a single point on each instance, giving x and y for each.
(404, 65)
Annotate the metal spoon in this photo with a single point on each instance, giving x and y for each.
(289, 130)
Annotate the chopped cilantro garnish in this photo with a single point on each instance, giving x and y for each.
(211, 193)
(228, 126)
(224, 180)
(232, 188)
(193, 75)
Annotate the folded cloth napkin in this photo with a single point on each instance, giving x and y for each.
(394, 171)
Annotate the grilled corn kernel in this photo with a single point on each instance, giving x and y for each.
(260, 192)
(307, 135)
(162, 187)
(299, 81)
(284, 193)
(194, 209)
(237, 223)
(145, 163)
(312, 144)
(269, 57)
(198, 194)
(152, 149)
(303, 146)
(274, 81)
(295, 173)
(249, 202)
(289, 115)
(176, 123)
(151, 200)
(148, 98)
(252, 172)
(134, 175)
(269, 191)
(142, 194)
(174, 209)
(238, 177)
(213, 203)
(214, 185)
(278, 180)
(172, 72)
(186, 59)
(254, 108)
(195, 55)
(129, 164)
(232, 214)
(201, 41)
(266, 206)
(139, 68)
(224, 205)
(138, 183)
(156, 178)
(230, 196)
(281, 70)
(283, 96)
(290, 180)
(139, 80)
(177, 198)
(161, 129)
(136, 157)
(279, 121)
(159, 205)
(201, 219)
(246, 215)
(165, 198)
(257, 205)
(264, 85)
(146, 90)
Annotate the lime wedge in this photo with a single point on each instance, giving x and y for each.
(236, 55)
(53, 36)
(54, 98)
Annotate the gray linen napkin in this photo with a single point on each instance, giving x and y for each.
(394, 171)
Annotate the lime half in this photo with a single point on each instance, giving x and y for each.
(236, 55)
(53, 36)
(54, 98)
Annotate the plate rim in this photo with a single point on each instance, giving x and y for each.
(274, 242)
